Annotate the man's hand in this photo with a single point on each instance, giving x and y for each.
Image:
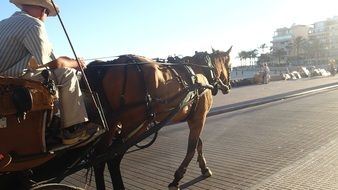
(33, 64)
(66, 62)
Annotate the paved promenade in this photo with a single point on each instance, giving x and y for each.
(285, 146)
(241, 96)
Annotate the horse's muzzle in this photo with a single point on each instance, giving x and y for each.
(225, 89)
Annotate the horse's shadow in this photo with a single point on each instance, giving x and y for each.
(192, 182)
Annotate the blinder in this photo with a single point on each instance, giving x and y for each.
(210, 73)
(23, 101)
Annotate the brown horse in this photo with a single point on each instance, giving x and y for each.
(136, 91)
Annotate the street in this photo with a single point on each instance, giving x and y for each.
(287, 144)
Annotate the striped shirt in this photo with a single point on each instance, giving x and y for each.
(22, 37)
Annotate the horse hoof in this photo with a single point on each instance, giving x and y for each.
(173, 187)
(207, 172)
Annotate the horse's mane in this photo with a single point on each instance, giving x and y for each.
(96, 69)
(130, 58)
(218, 53)
(201, 58)
(122, 59)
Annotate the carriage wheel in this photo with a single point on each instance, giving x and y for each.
(145, 143)
(5, 160)
(56, 186)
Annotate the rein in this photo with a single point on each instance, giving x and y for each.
(213, 80)
(144, 63)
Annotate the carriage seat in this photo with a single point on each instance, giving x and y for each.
(23, 95)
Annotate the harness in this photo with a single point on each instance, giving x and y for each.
(188, 83)
(190, 93)
(188, 96)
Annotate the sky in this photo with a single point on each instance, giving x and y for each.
(159, 28)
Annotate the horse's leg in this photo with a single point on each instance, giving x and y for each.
(195, 131)
(201, 160)
(115, 172)
(99, 177)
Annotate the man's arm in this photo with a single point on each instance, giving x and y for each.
(37, 43)
(60, 62)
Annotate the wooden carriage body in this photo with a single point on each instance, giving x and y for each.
(26, 108)
(28, 122)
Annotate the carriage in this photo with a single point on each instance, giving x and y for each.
(151, 93)
(28, 135)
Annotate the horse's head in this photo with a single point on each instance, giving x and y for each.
(222, 68)
(216, 67)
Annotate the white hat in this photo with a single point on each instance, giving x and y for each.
(43, 3)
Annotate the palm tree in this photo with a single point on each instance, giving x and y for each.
(297, 45)
(246, 56)
(263, 47)
(253, 55)
(279, 53)
(264, 58)
(314, 49)
(241, 56)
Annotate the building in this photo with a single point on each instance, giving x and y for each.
(286, 43)
(324, 40)
(306, 44)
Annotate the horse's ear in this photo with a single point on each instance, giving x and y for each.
(212, 49)
(229, 50)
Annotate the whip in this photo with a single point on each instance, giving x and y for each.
(96, 104)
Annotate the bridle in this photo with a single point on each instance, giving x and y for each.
(217, 81)
(209, 67)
